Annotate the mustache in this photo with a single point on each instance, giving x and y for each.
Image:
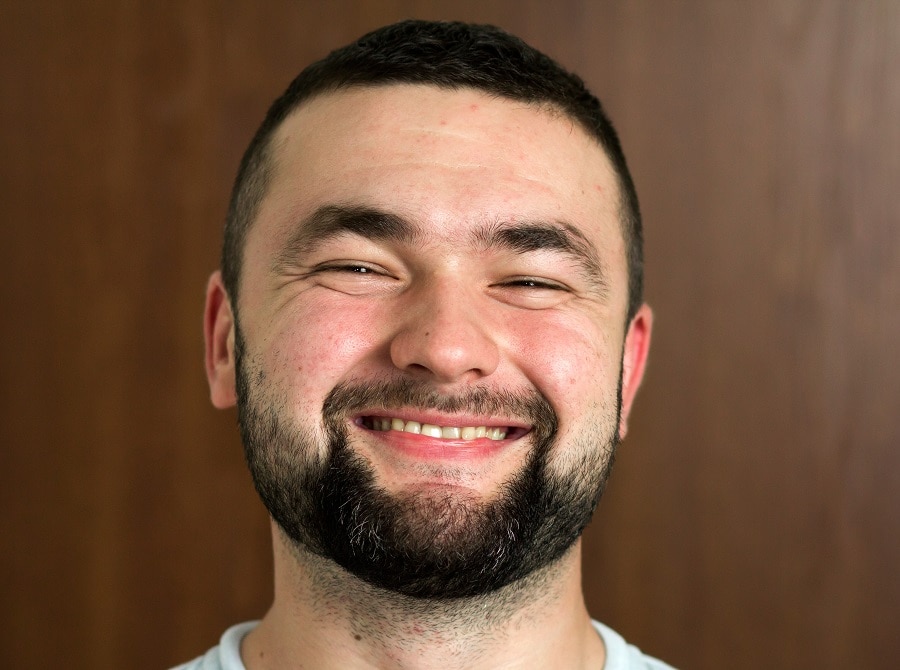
(527, 405)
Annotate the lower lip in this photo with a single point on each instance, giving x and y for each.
(431, 448)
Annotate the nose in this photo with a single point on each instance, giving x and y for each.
(444, 334)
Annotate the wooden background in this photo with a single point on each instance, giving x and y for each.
(754, 516)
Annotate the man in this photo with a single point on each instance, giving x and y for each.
(429, 316)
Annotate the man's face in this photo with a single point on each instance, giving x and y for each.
(431, 361)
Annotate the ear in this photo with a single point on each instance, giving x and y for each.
(218, 333)
(634, 360)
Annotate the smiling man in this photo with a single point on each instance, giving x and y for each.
(429, 315)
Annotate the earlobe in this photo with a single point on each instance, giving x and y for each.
(218, 333)
(634, 361)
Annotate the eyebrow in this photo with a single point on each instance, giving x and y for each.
(331, 221)
(520, 237)
(526, 236)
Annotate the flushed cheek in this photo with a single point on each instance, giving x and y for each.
(569, 363)
(317, 346)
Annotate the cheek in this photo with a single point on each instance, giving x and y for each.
(315, 345)
(572, 362)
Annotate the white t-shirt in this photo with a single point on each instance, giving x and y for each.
(227, 655)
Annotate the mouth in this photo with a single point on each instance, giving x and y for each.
(450, 432)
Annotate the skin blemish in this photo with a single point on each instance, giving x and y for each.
(474, 108)
(357, 637)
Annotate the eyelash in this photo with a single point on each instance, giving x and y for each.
(527, 282)
(354, 268)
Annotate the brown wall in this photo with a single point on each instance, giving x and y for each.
(754, 516)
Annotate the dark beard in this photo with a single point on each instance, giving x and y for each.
(435, 545)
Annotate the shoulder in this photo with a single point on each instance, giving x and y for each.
(623, 656)
(226, 655)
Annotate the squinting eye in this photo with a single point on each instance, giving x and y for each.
(531, 292)
(349, 268)
(535, 283)
(352, 277)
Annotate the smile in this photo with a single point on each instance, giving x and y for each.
(383, 423)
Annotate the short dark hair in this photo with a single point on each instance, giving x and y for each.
(448, 55)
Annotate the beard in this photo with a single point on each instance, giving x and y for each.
(434, 544)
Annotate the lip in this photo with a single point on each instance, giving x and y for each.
(433, 448)
(419, 446)
(443, 419)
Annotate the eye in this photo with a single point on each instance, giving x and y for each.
(348, 267)
(535, 283)
(353, 277)
(531, 292)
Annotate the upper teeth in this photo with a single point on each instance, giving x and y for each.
(446, 432)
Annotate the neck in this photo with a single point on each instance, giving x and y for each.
(324, 617)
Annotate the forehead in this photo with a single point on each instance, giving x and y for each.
(442, 158)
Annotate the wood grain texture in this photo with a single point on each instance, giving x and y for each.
(753, 518)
